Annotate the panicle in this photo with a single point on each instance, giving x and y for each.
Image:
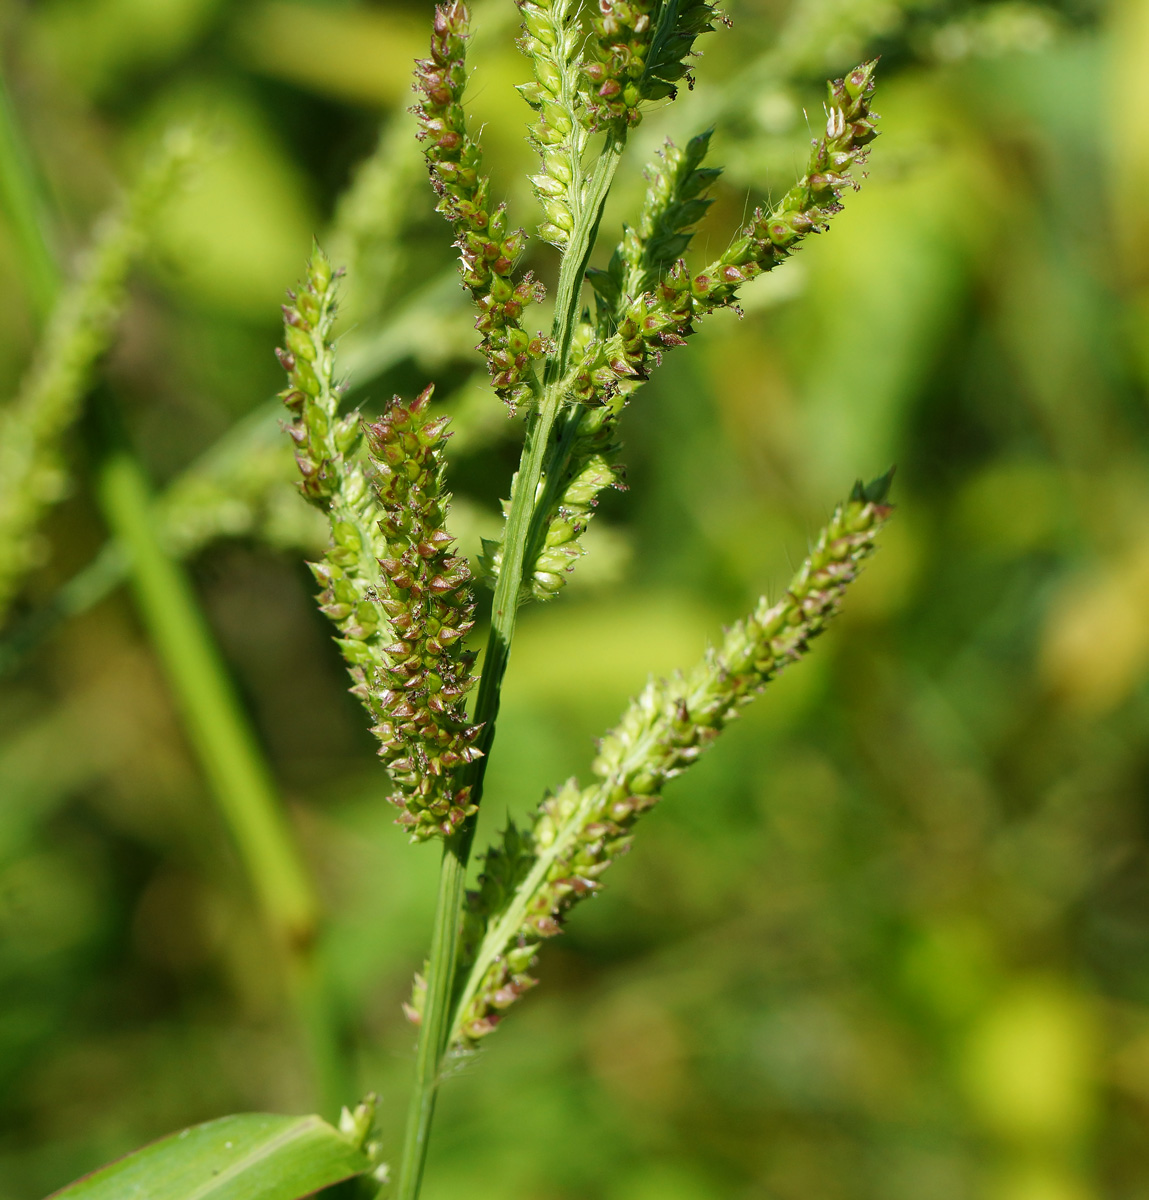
(488, 250)
(551, 39)
(647, 303)
(675, 202)
(639, 52)
(397, 595)
(531, 881)
(770, 237)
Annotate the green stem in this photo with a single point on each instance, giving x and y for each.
(441, 967)
(221, 734)
(21, 198)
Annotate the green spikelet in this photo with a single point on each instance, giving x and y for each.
(551, 39)
(531, 881)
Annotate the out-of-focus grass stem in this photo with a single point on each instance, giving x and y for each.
(220, 732)
(25, 208)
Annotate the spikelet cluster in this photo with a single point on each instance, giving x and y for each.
(639, 52)
(531, 880)
(648, 301)
(613, 367)
(551, 39)
(418, 695)
(488, 250)
(399, 599)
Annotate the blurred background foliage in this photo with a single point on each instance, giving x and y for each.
(892, 938)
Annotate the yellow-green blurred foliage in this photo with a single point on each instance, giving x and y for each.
(890, 941)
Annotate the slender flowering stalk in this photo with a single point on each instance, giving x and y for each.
(531, 879)
(488, 251)
(397, 595)
(32, 474)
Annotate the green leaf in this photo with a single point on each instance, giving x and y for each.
(253, 1156)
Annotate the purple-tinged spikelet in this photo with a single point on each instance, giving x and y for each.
(418, 694)
(639, 52)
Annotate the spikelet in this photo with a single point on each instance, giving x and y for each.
(488, 251)
(531, 880)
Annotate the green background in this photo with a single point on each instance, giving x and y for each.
(891, 938)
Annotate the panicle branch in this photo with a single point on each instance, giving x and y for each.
(614, 367)
(648, 300)
(390, 584)
(675, 202)
(488, 251)
(423, 724)
(532, 879)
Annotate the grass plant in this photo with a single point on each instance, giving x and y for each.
(403, 600)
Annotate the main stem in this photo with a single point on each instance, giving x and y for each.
(521, 519)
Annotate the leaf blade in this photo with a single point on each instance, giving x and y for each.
(250, 1156)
